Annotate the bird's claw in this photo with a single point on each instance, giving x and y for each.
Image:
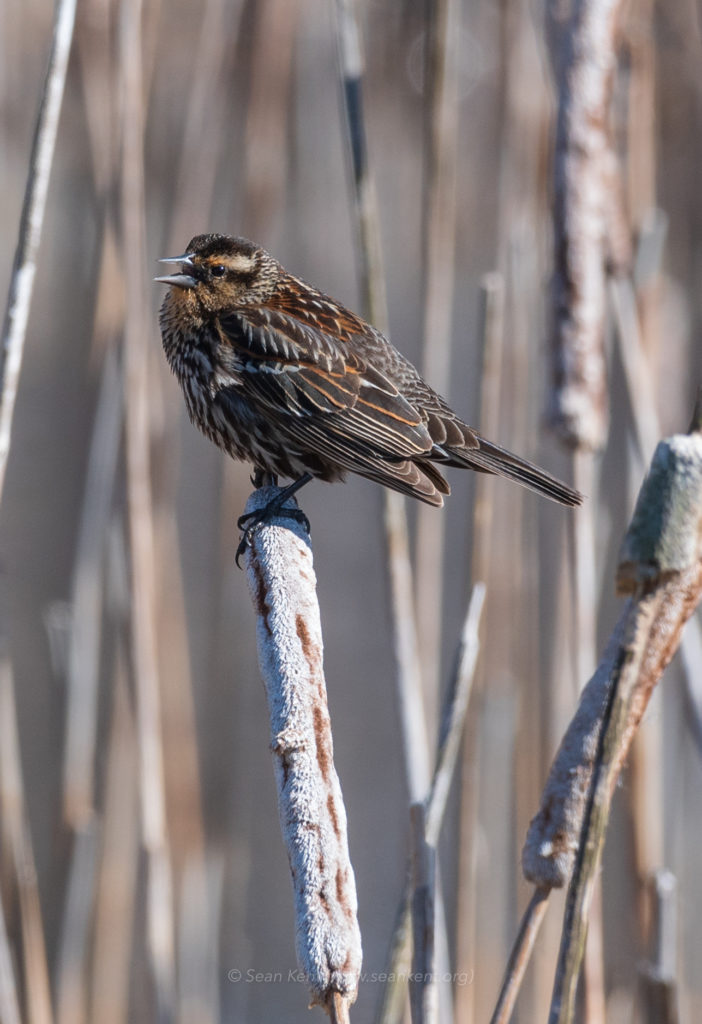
(262, 478)
(244, 542)
(251, 521)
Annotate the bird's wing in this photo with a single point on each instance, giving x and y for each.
(300, 372)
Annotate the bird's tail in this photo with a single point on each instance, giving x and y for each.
(491, 458)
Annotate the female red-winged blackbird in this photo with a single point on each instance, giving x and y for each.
(276, 373)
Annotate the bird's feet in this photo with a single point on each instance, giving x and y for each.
(262, 478)
(251, 521)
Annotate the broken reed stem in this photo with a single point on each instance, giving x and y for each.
(14, 328)
(658, 989)
(282, 584)
(585, 197)
(425, 821)
(453, 719)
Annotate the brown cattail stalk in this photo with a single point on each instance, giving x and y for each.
(584, 189)
(590, 237)
(554, 834)
(661, 568)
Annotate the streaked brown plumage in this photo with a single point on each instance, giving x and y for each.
(278, 374)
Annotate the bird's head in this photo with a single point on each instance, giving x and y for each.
(220, 273)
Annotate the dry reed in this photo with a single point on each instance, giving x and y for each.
(141, 876)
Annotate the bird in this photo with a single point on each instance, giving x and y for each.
(281, 375)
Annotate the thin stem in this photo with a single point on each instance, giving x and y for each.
(368, 249)
(438, 272)
(423, 983)
(31, 222)
(159, 897)
(9, 1002)
(455, 710)
(453, 718)
(372, 279)
(520, 955)
(88, 589)
(36, 986)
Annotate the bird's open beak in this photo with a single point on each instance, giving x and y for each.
(181, 280)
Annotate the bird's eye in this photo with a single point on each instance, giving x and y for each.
(218, 270)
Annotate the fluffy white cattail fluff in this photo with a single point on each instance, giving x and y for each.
(312, 815)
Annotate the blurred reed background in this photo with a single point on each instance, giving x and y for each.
(141, 861)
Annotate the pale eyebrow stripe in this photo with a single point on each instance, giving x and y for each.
(239, 262)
